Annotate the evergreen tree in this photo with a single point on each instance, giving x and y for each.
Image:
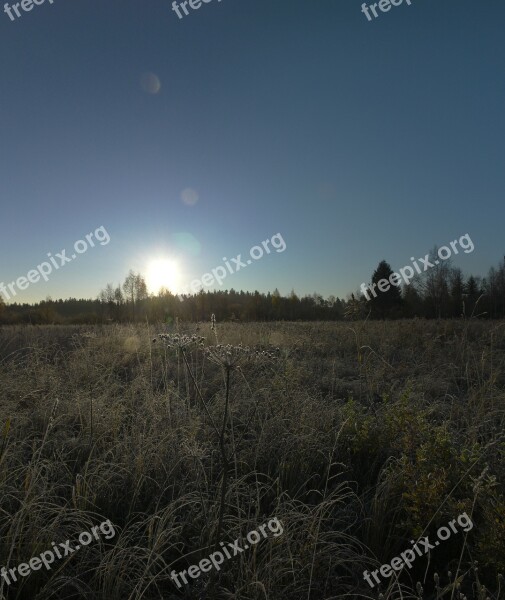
(385, 303)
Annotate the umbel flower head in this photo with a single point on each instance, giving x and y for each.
(232, 357)
(180, 340)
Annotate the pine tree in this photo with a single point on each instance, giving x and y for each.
(387, 303)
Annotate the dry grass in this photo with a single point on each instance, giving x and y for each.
(357, 437)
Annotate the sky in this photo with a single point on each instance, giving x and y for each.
(190, 140)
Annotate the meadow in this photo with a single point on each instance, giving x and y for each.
(357, 436)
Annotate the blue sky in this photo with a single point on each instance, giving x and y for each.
(355, 140)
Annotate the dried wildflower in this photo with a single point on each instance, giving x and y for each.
(232, 357)
(437, 583)
(213, 322)
(180, 340)
(55, 406)
(53, 413)
(355, 309)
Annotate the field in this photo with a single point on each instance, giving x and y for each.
(357, 437)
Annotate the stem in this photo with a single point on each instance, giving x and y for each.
(224, 480)
(199, 392)
(91, 419)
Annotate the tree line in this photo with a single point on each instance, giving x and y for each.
(441, 292)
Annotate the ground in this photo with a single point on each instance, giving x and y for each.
(357, 437)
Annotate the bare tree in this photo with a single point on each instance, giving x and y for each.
(135, 290)
(433, 284)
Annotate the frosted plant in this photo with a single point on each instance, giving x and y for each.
(231, 357)
(53, 414)
(213, 327)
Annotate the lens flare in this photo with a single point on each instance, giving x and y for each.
(150, 83)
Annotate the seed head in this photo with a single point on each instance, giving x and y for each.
(232, 357)
(179, 341)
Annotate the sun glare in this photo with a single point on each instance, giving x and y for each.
(163, 272)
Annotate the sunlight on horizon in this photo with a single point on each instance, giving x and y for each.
(163, 273)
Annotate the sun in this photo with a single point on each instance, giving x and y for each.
(163, 272)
